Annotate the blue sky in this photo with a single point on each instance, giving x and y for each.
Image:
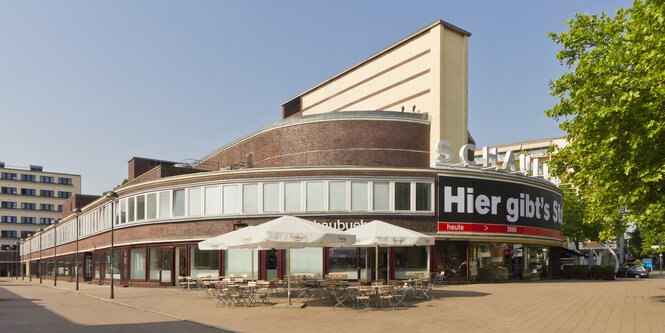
(86, 85)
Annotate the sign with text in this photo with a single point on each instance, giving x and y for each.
(481, 205)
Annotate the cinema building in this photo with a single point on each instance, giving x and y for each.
(386, 139)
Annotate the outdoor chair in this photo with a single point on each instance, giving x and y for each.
(439, 278)
(399, 297)
(362, 297)
(386, 295)
(337, 296)
(224, 297)
(182, 283)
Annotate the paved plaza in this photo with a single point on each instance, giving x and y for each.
(624, 305)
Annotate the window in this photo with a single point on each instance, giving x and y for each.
(381, 196)
(64, 195)
(28, 178)
(271, 197)
(154, 263)
(292, 197)
(250, 198)
(123, 210)
(212, 201)
(194, 201)
(8, 219)
(359, 196)
(60, 208)
(8, 205)
(140, 207)
(423, 196)
(42, 220)
(28, 191)
(152, 205)
(9, 175)
(28, 206)
(337, 196)
(178, 203)
(46, 193)
(8, 190)
(137, 259)
(230, 197)
(64, 181)
(315, 199)
(46, 179)
(130, 209)
(164, 204)
(9, 234)
(47, 207)
(203, 263)
(402, 196)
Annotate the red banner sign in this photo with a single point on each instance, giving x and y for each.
(453, 227)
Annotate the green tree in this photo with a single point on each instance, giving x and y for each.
(635, 243)
(576, 225)
(611, 104)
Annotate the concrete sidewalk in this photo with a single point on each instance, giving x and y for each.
(624, 305)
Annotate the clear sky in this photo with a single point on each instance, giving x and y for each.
(86, 85)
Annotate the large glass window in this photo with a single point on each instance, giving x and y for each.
(212, 201)
(337, 196)
(152, 205)
(203, 263)
(451, 259)
(130, 209)
(381, 196)
(402, 196)
(178, 203)
(271, 197)
(140, 207)
(423, 196)
(137, 259)
(154, 263)
(292, 197)
(343, 260)
(164, 204)
(315, 192)
(359, 196)
(410, 261)
(194, 201)
(307, 261)
(250, 198)
(239, 262)
(230, 193)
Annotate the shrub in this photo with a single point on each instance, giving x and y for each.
(602, 269)
(576, 268)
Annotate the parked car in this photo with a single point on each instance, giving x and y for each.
(632, 271)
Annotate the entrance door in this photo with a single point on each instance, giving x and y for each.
(270, 264)
(383, 263)
(124, 267)
(165, 269)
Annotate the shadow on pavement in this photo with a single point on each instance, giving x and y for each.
(18, 314)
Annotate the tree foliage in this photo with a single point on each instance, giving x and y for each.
(611, 104)
(576, 224)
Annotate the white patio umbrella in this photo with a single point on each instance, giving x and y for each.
(288, 232)
(219, 242)
(378, 233)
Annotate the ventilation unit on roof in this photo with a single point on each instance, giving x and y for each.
(36, 168)
(2, 164)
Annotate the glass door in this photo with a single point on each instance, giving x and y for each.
(165, 269)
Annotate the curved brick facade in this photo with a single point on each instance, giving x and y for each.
(314, 141)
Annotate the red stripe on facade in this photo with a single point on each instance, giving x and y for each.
(470, 228)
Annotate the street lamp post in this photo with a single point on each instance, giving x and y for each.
(112, 197)
(40, 254)
(77, 211)
(55, 252)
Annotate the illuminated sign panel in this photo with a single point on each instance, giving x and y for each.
(481, 205)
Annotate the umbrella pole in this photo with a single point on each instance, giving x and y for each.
(288, 271)
(376, 264)
(252, 264)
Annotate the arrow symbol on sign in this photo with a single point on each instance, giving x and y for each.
(485, 227)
